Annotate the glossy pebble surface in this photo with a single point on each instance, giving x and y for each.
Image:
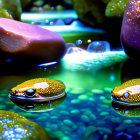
(130, 34)
(30, 41)
(15, 126)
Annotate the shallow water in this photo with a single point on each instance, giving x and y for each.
(86, 112)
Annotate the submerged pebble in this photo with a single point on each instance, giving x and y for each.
(83, 97)
(85, 118)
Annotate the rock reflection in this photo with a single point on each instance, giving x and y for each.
(39, 107)
(126, 111)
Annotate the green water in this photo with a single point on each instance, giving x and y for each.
(86, 112)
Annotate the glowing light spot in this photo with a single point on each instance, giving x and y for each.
(42, 85)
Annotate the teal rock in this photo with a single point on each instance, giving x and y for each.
(83, 97)
(105, 137)
(92, 116)
(64, 112)
(90, 131)
(107, 89)
(75, 111)
(77, 90)
(116, 120)
(75, 101)
(106, 101)
(104, 130)
(128, 121)
(121, 127)
(104, 113)
(97, 91)
(65, 138)
(68, 122)
(85, 118)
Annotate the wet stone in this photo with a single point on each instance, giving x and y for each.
(121, 127)
(97, 91)
(64, 112)
(104, 130)
(106, 101)
(107, 89)
(21, 127)
(128, 121)
(83, 97)
(68, 122)
(75, 111)
(75, 101)
(65, 138)
(90, 131)
(77, 90)
(85, 118)
(116, 120)
(92, 116)
(104, 113)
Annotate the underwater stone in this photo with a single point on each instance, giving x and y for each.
(107, 89)
(68, 122)
(15, 126)
(98, 46)
(116, 120)
(97, 91)
(128, 121)
(104, 113)
(90, 131)
(104, 129)
(105, 101)
(31, 41)
(75, 111)
(83, 97)
(77, 90)
(85, 118)
(130, 34)
(75, 101)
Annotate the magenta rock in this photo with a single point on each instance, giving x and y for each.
(130, 32)
(31, 41)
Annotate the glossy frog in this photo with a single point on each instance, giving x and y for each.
(128, 93)
(38, 90)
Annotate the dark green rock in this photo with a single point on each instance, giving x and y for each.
(13, 7)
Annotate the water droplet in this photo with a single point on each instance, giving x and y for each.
(79, 42)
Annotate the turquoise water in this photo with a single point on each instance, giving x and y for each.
(86, 112)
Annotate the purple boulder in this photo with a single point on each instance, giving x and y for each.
(130, 32)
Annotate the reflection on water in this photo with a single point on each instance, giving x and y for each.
(40, 106)
(87, 111)
(130, 111)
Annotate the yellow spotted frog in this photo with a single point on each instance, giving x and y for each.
(128, 93)
(38, 90)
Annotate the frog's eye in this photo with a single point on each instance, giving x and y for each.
(30, 93)
(126, 94)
